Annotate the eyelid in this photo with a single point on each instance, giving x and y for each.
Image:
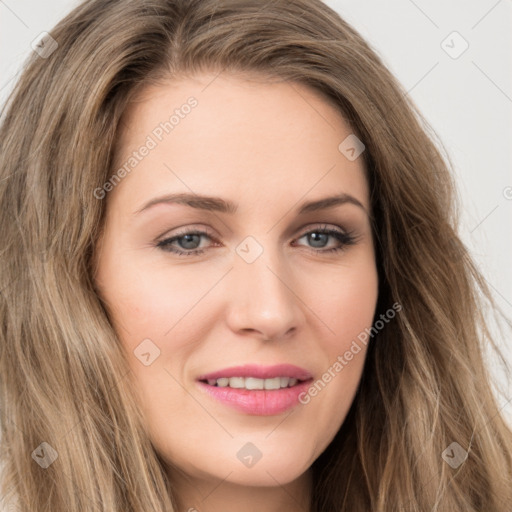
(185, 230)
(190, 229)
(323, 225)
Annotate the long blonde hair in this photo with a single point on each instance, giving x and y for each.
(64, 377)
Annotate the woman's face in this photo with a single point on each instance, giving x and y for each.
(246, 280)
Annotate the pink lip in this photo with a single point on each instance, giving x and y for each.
(260, 372)
(260, 402)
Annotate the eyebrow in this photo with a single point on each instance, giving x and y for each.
(217, 204)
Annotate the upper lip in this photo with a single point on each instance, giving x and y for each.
(259, 372)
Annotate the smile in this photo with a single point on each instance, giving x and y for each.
(257, 390)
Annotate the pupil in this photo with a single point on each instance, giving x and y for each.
(315, 237)
(189, 240)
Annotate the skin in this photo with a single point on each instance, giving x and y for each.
(269, 147)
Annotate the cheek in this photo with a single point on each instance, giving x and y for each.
(149, 302)
(347, 305)
(348, 309)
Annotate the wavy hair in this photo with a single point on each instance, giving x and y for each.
(64, 377)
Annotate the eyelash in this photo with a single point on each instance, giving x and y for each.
(344, 238)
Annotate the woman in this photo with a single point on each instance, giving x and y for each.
(168, 341)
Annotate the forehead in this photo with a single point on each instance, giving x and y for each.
(243, 135)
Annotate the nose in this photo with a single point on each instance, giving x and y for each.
(262, 298)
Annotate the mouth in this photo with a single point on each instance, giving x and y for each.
(257, 390)
(253, 383)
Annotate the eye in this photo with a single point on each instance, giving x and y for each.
(319, 238)
(188, 243)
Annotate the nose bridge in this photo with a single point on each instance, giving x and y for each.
(263, 299)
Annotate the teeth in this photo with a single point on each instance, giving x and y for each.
(236, 382)
(274, 383)
(253, 382)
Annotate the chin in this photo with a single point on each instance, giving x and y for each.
(269, 467)
(271, 474)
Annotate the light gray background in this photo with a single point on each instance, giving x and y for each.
(467, 100)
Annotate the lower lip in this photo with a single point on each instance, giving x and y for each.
(258, 402)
